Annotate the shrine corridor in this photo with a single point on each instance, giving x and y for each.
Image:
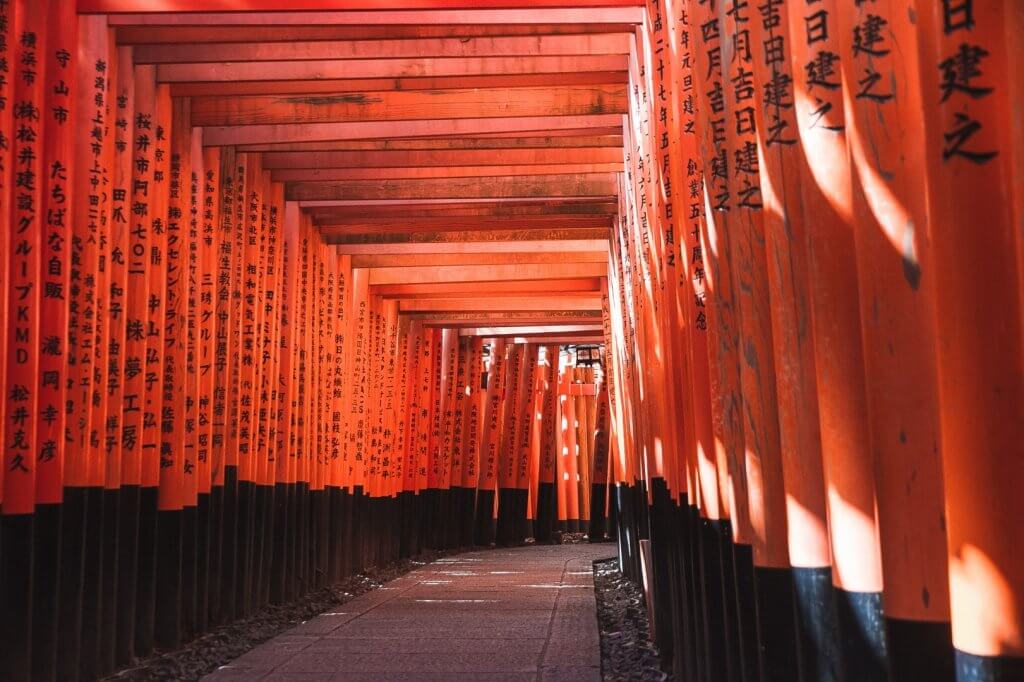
(519, 614)
(295, 289)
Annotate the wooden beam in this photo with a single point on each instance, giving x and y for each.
(559, 339)
(285, 13)
(528, 287)
(505, 319)
(437, 259)
(323, 50)
(596, 184)
(216, 136)
(425, 203)
(336, 85)
(561, 132)
(439, 223)
(485, 273)
(147, 35)
(379, 211)
(612, 140)
(422, 172)
(396, 105)
(440, 157)
(538, 246)
(527, 330)
(406, 67)
(502, 303)
(490, 293)
(474, 235)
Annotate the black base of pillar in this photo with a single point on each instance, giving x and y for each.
(127, 570)
(920, 650)
(467, 515)
(597, 527)
(92, 586)
(730, 612)
(245, 525)
(168, 577)
(485, 530)
(145, 600)
(547, 513)
(204, 508)
(359, 513)
(110, 580)
(229, 547)
(348, 532)
(189, 558)
(72, 568)
(625, 538)
(505, 535)
(663, 551)
(971, 668)
(776, 624)
(746, 611)
(323, 530)
(46, 585)
(17, 532)
(717, 663)
(522, 527)
(695, 585)
(279, 563)
(861, 635)
(817, 624)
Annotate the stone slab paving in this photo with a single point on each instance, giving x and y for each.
(505, 614)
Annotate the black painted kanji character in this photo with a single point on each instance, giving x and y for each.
(817, 27)
(957, 14)
(959, 70)
(867, 36)
(965, 129)
(820, 69)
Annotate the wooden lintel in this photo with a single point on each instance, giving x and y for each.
(558, 339)
(470, 235)
(155, 35)
(462, 247)
(505, 319)
(318, 13)
(484, 273)
(581, 185)
(406, 67)
(395, 105)
(432, 158)
(420, 172)
(478, 258)
(402, 48)
(440, 224)
(530, 330)
(501, 303)
(383, 211)
(216, 136)
(610, 139)
(376, 84)
(582, 285)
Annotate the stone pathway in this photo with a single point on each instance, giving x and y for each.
(507, 614)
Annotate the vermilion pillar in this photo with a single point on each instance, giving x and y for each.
(21, 391)
(57, 195)
(968, 54)
(757, 370)
(786, 228)
(832, 289)
(886, 141)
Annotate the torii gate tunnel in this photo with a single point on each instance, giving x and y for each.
(291, 288)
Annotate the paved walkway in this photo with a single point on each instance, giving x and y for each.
(508, 614)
